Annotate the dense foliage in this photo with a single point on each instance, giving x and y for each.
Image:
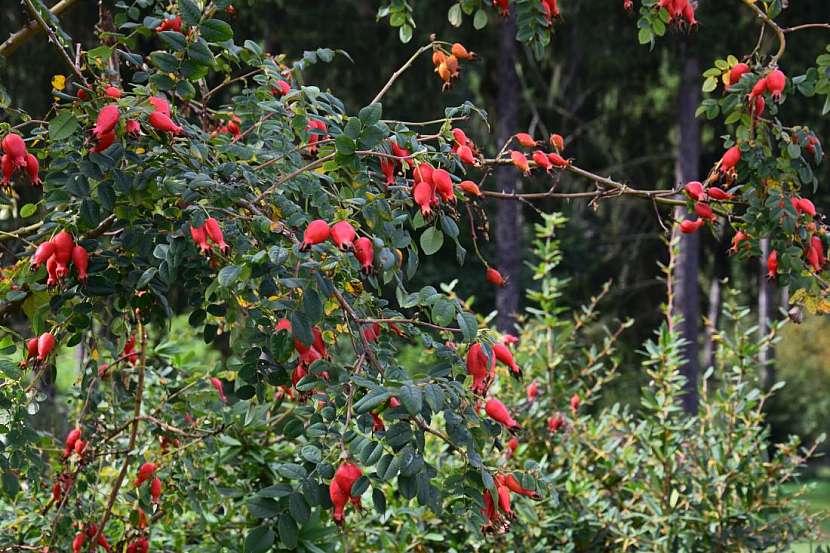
(287, 231)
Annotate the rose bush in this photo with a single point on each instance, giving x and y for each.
(187, 175)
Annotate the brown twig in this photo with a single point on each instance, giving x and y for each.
(54, 39)
(401, 71)
(139, 394)
(774, 27)
(31, 29)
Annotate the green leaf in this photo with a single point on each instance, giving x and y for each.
(28, 210)
(298, 507)
(405, 33)
(228, 275)
(174, 40)
(292, 471)
(370, 114)
(165, 61)
(191, 13)
(371, 400)
(259, 540)
(216, 30)
(431, 240)
(99, 53)
(11, 484)
(469, 326)
(710, 84)
(311, 453)
(345, 145)
(455, 16)
(201, 54)
(288, 531)
(412, 399)
(480, 20)
(62, 126)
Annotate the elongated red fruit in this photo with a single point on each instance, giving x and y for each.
(107, 119)
(316, 232)
(690, 227)
(45, 344)
(145, 472)
(503, 355)
(704, 211)
(465, 154)
(106, 140)
(133, 128)
(364, 251)
(520, 161)
(8, 168)
(343, 235)
(494, 277)
(460, 136)
(718, 194)
(772, 264)
(497, 411)
(738, 70)
(542, 161)
(172, 24)
(80, 259)
(160, 104)
(557, 142)
(558, 161)
(423, 173)
(113, 92)
(555, 423)
(575, 402)
(162, 123)
(31, 348)
(387, 167)
(33, 169)
(470, 188)
(730, 159)
(525, 140)
(281, 88)
(217, 385)
(532, 391)
(739, 237)
(214, 232)
(64, 243)
(443, 185)
(776, 82)
(78, 542)
(424, 195)
(43, 252)
(694, 189)
(199, 236)
(478, 369)
(155, 489)
(14, 146)
(516, 487)
(52, 271)
(340, 489)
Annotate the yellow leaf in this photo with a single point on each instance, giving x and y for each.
(59, 82)
(140, 150)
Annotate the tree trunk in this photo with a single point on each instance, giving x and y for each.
(686, 286)
(765, 307)
(508, 214)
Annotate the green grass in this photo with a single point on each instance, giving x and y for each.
(818, 500)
